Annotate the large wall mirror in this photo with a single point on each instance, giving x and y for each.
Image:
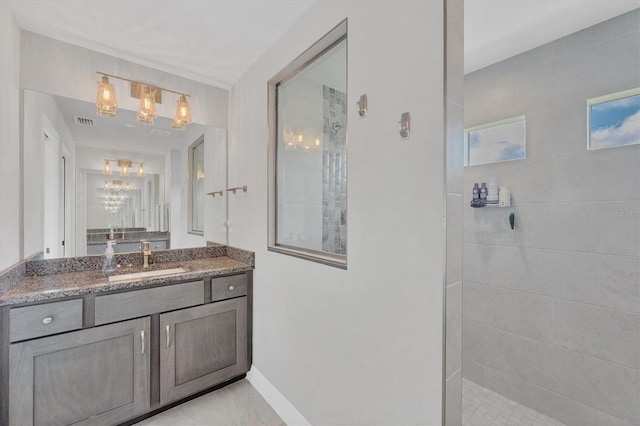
(71, 205)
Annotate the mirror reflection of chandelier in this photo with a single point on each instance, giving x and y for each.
(113, 200)
(125, 167)
(303, 139)
(117, 185)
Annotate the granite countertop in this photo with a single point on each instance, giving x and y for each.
(37, 287)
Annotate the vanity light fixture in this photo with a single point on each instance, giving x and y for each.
(149, 95)
(125, 167)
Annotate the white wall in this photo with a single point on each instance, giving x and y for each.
(361, 346)
(10, 171)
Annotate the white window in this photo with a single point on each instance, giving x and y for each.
(308, 154)
(503, 140)
(614, 120)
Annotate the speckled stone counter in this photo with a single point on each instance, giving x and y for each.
(41, 280)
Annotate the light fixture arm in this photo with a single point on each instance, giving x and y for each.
(139, 82)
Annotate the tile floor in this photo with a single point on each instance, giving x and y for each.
(240, 404)
(236, 404)
(483, 407)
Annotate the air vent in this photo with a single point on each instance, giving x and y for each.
(82, 121)
(157, 132)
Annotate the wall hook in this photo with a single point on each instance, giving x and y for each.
(405, 125)
(362, 106)
(243, 188)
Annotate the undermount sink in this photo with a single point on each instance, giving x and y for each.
(146, 274)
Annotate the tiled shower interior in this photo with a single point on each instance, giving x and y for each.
(551, 308)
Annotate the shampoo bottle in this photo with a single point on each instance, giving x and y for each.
(109, 264)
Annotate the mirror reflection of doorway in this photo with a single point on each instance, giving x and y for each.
(54, 211)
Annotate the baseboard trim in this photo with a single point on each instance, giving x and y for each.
(287, 412)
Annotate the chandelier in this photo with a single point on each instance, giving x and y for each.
(149, 95)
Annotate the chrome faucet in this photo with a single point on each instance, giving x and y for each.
(146, 252)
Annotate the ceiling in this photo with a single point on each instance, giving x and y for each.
(216, 41)
(210, 41)
(499, 29)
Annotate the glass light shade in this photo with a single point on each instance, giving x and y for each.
(183, 112)
(107, 168)
(124, 171)
(106, 104)
(127, 187)
(147, 109)
(141, 170)
(178, 125)
(106, 186)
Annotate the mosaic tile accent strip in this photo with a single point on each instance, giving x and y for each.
(334, 171)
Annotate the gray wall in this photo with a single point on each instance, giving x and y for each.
(551, 309)
(454, 118)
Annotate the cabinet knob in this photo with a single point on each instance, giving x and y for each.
(47, 320)
(231, 288)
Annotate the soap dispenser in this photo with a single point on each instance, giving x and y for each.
(109, 264)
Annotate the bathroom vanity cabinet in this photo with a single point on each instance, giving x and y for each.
(109, 358)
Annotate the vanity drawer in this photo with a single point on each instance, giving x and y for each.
(138, 303)
(228, 287)
(42, 320)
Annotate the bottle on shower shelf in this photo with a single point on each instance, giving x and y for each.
(483, 193)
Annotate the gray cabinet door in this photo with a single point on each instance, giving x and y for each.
(201, 347)
(93, 376)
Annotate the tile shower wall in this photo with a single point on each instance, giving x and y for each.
(334, 171)
(454, 104)
(551, 309)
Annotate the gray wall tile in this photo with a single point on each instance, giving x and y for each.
(454, 329)
(553, 405)
(511, 310)
(608, 387)
(576, 241)
(453, 407)
(619, 282)
(602, 332)
(472, 370)
(526, 359)
(454, 238)
(563, 274)
(606, 420)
